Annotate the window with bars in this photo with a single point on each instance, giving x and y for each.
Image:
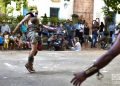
(54, 12)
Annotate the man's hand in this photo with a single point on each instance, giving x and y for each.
(78, 78)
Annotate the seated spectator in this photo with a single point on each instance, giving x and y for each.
(24, 42)
(18, 41)
(104, 40)
(49, 42)
(11, 42)
(6, 36)
(77, 45)
(1, 42)
(65, 43)
(57, 42)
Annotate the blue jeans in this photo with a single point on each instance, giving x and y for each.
(94, 40)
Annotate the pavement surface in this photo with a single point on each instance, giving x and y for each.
(55, 68)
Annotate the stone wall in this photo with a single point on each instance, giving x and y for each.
(84, 8)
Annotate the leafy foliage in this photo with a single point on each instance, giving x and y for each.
(113, 4)
(10, 10)
(19, 18)
(8, 19)
(5, 3)
(112, 7)
(25, 5)
(19, 4)
(54, 20)
(45, 19)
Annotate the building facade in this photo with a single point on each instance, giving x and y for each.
(84, 8)
(62, 9)
(65, 8)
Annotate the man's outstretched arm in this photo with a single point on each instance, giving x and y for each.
(104, 60)
(27, 17)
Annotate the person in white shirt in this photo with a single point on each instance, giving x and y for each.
(5, 28)
(77, 45)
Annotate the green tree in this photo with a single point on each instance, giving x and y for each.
(5, 3)
(25, 5)
(113, 4)
(112, 7)
(20, 4)
(10, 10)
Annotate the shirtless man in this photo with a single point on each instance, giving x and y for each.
(103, 60)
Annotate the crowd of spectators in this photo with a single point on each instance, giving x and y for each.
(61, 36)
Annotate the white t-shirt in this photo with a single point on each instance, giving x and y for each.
(5, 28)
(77, 46)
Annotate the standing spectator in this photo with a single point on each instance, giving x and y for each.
(101, 28)
(5, 28)
(116, 32)
(80, 31)
(82, 26)
(86, 35)
(95, 28)
(70, 32)
(94, 37)
(95, 24)
(111, 28)
(77, 28)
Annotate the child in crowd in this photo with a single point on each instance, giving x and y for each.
(6, 36)
(12, 42)
(18, 41)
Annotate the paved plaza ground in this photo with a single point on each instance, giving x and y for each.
(54, 68)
